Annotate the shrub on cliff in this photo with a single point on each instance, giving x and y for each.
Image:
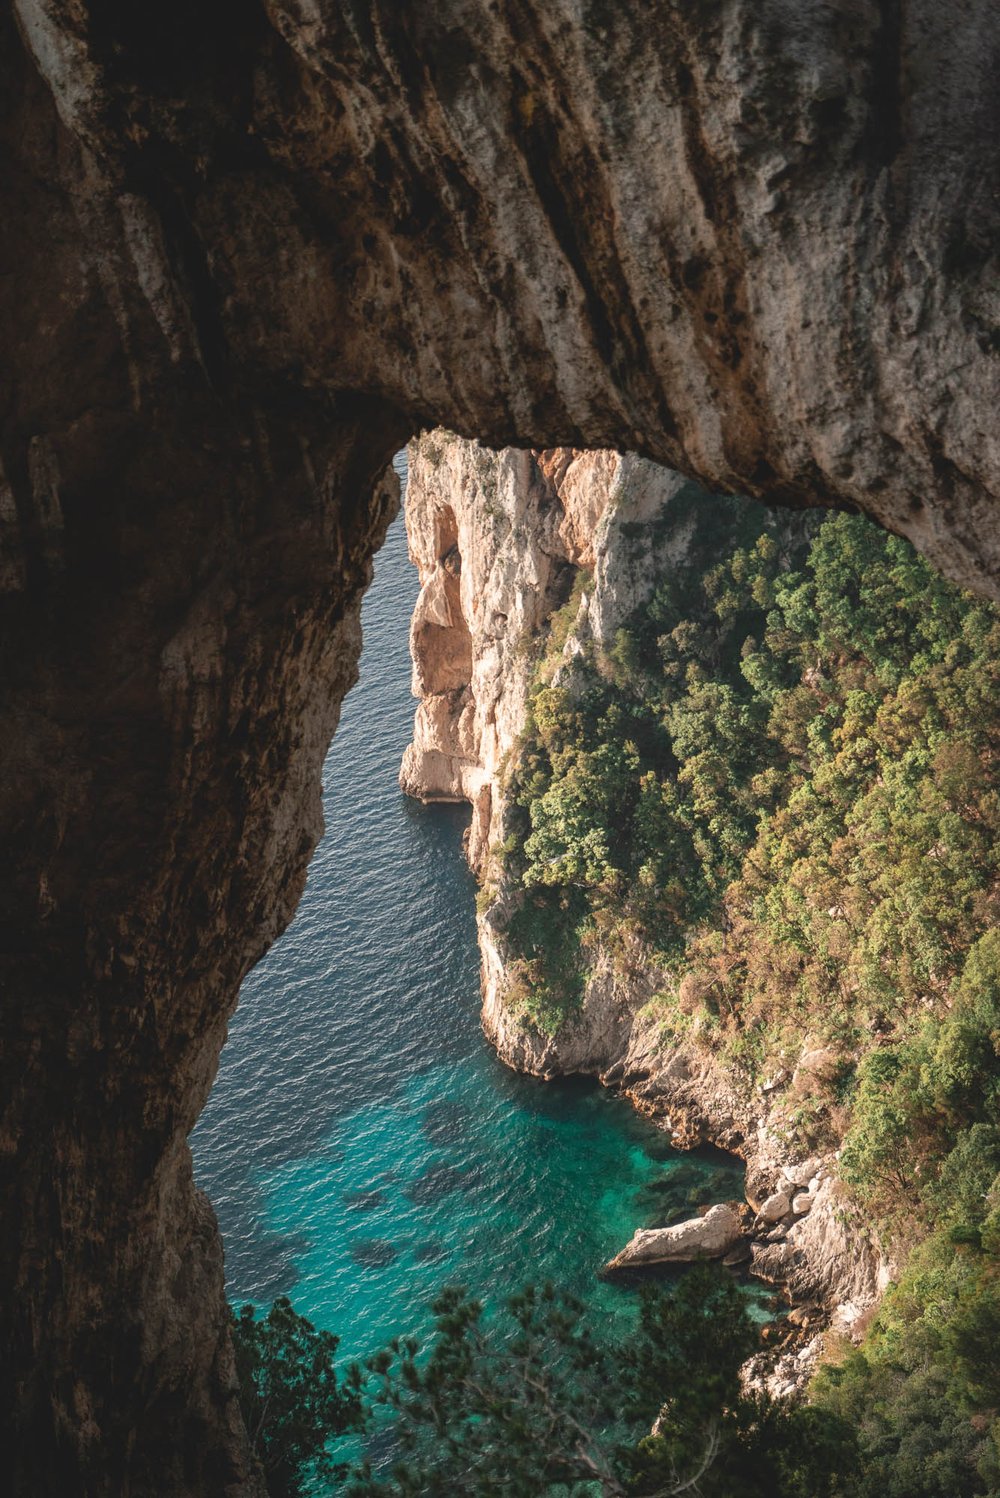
(924, 1151)
(794, 746)
(921, 1103)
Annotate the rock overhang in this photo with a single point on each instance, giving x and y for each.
(248, 254)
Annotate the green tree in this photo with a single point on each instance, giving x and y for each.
(530, 1404)
(292, 1402)
(806, 842)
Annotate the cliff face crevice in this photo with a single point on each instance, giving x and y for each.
(247, 252)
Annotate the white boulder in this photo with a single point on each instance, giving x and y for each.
(775, 1208)
(708, 1237)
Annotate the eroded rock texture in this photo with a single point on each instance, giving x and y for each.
(247, 249)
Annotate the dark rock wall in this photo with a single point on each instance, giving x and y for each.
(246, 249)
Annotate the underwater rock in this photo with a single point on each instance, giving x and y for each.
(445, 1122)
(430, 1252)
(362, 1200)
(372, 1253)
(437, 1181)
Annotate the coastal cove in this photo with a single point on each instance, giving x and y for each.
(363, 1145)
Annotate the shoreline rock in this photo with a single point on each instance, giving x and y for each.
(711, 1236)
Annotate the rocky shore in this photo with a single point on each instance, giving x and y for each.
(523, 555)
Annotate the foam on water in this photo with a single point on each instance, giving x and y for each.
(363, 1145)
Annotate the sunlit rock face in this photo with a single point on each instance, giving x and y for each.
(247, 250)
(497, 538)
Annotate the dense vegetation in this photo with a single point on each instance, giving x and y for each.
(528, 1404)
(782, 776)
(924, 1150)
(780, 785)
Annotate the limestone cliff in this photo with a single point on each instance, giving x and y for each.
(498, 539)
(517, 551)
(248, 250)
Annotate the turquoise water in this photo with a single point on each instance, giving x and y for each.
(363, 1145)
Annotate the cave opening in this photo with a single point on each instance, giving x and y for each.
(238, 270)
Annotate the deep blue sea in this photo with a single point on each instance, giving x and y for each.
(363, 1145)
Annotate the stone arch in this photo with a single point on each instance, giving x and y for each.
(247, 255)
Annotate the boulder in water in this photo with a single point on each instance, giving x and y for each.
(708, 1237)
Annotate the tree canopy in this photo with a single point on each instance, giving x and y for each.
(292, 1400)
(529, 1403)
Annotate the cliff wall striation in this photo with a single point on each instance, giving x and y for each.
(499, 539)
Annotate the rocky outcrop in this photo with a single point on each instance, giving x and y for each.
(709, 1237)
(497, 539)
(500, 540)
(505, 539)
(821, 1249)
(248, 251)
(785, 1374)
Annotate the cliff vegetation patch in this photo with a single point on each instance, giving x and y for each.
(779, 784)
